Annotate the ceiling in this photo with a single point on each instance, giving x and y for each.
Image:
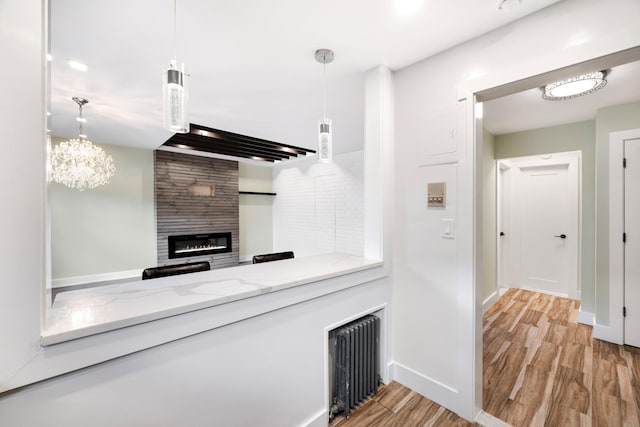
(251, 62)
(527, 110)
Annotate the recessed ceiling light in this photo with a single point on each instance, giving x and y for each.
(408, 7)
(575, 86)
(80, 66)
(508, 4)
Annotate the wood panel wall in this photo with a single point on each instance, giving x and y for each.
(179, 212)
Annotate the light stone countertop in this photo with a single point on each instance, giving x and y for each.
(85, 312)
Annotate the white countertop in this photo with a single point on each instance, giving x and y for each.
(85, 312)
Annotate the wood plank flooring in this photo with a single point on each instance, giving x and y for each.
(398, 406)
(542, 368)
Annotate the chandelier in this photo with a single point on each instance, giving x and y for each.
(78, 163)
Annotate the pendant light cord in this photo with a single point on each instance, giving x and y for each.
(324, 89)
(80, 133)
(175, 32)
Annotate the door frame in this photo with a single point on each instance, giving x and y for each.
(615, 331)
(574, 161)
(503, 274)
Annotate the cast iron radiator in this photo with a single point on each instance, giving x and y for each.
(355, 364)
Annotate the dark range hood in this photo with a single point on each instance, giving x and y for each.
(201, 138)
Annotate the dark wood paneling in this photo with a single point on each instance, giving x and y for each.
(202, 138)
(178, 212)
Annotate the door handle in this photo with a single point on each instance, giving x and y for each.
(502, 233)
(562, 236)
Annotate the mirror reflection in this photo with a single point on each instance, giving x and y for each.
(110, 230)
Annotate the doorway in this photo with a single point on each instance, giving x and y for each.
(538, 210)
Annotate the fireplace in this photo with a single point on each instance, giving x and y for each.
(193, 245)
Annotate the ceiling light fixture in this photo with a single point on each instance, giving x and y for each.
(174, 90)
(408, 7)
(575, 87)
(78, 163)
(508, 4)
(325, 150)
(76, 65)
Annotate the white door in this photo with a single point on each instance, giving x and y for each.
(632, 245)
(544, 239)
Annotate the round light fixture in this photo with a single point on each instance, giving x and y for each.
(575, 87)
(78, 163)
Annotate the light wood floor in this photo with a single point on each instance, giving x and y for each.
(397, 406)
(542, 368)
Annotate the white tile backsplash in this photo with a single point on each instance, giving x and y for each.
(319, 208)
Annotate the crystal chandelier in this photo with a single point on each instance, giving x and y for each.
(324, 56)
(78, 163)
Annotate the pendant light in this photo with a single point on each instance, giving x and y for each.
(78, 163)
(174, 90)
(325, 154)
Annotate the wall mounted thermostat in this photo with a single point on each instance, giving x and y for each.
(437, 194)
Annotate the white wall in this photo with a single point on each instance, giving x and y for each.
(266, 371)
(256, 211)
(320, 207)
(107, 229)
(435, 292)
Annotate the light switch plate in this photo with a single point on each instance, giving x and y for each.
(437, 194)
(448, 228)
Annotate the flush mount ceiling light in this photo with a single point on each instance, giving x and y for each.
(174, 91)
(408, 7)
(508, 4)
(325, 151)
(575, 87)
(78, 163)
(77, 65)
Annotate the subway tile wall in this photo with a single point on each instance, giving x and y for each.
(319, 208)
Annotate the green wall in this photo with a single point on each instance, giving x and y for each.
(556, 139)
(610, 119)
(110, 228)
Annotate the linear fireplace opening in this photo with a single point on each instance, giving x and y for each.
(191, 245)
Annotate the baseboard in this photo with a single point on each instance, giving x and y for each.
(431, 389)
(321, 419)
(606, 333)
(488, 303)
(487, 420)
(585, 317)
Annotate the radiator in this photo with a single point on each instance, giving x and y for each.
(355, 364)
